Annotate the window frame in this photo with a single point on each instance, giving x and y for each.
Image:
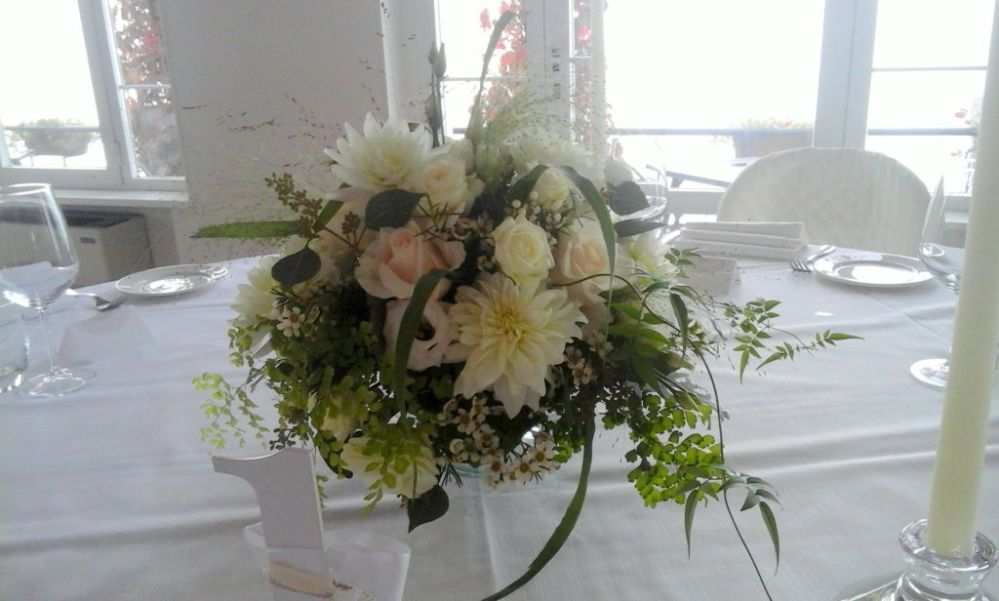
(117, 175)
(846, 67)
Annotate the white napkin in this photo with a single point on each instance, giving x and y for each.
(102, 336)
(767, 240)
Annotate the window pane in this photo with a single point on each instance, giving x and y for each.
(465, 27)
(723, 64)
(940, 99)
(155, 138)
(47, 105)
(144, 89)
(920, 40)
(931, 157)
(136, 26)
(933, 34)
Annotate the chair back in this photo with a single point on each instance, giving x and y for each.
(845, 196)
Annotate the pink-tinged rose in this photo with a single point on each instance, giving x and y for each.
(392, 265)
(438, 334)
(582, 253)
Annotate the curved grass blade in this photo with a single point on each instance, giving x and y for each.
(564, 528)
(475, 121)
(596, 201)
(411, 320)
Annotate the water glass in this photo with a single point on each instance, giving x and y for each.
(13, 347)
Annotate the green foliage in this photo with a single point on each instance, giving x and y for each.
(633, 227)
(251, 229)
(296, 267)
(230, 411)
(754, 322)
(628, 198)
(391, 208)
(427, 507)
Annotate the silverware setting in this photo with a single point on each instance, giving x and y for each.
(803, 260)
(100, 303)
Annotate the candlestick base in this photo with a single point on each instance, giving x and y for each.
(930, 576)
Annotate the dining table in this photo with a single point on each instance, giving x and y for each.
(108, 493)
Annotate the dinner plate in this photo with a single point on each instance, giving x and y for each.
(877, 270)
(171, 280)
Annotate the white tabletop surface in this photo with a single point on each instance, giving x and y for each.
(108, 493)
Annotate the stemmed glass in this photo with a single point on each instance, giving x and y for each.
(942, 252)
(38, 264)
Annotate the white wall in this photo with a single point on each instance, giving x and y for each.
(262, 86)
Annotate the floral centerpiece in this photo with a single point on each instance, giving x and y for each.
(490, 302)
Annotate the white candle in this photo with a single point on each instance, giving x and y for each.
(963, 428)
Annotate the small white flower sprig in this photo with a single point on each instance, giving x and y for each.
(482, 301)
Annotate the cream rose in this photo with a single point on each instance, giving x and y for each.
(398, 258)
(464, 151)
(522, 250)
(552, 189)
(582, 253)
(426, 352)
(447, 187)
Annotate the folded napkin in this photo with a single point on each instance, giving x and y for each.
(759, 239)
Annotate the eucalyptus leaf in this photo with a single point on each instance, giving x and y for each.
(427, 507)
(296, 267)
(390, 208)
(250, 229)
(628, 198)
(634, 227)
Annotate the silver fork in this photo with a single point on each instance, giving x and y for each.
(804, 263)
(100, 303)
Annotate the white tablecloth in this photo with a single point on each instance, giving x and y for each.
(109, 494)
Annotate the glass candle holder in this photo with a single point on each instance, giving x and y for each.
(930, 576)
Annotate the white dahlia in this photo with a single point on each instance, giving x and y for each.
(511, 335)
(384, 157)
(532, 147)
(254, 299)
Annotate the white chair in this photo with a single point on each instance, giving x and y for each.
(848, 197)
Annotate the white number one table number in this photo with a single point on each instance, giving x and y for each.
(298, 561)
(292, 524)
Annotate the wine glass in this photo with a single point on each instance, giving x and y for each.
(38, 264)
(942, 252)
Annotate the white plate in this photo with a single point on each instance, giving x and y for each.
(872, 269)
(171, 280)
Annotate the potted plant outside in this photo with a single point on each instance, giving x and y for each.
(56, 137)
(760, 137)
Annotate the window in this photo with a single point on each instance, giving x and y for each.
(86, 100)
(927, 80)
(701, 87)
